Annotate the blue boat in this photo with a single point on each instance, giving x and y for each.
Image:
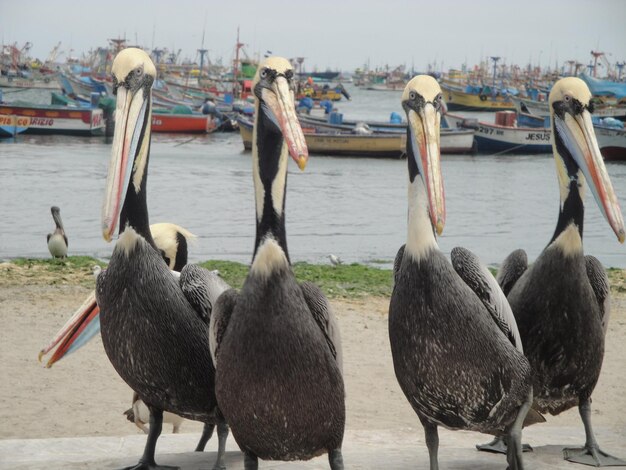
(504, 138)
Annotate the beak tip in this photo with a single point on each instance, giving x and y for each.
(621, 236)
(439, 228)
(41, 354)
(302, 161)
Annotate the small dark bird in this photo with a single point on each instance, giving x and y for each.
(57, 241)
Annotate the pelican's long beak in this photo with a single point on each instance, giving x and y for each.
(279, 99)
(78, 331)
(424, 137)
(580, 139)
(131, 117)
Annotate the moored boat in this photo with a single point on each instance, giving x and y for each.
(612, 142)
(534, 137)
(166, 120)
(541, 108)
(46, 82)
(10, 126)
(50, 119)
(504, 136)
(346, 143)
(475, 99)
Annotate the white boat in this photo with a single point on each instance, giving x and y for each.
(494, 138)
(612, 142)
(542, 108)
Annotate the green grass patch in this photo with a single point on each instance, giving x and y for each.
(232, 272)
(347, 281)
(60, 264)
(343, 281)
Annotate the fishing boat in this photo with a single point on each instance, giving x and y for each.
(10, 126)
(325, 92)
(541, 108)
(182, 121)
(473, 98)
(504, 136)
(52, 119)
(45, 82)
(612, 142)
(346, 143)
(309, 120)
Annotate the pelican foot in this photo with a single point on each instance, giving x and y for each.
(498, 446)
(592, 456)
(150, 466)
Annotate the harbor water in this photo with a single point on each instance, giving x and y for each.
(352, 207)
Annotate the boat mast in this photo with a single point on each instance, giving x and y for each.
(236, 67)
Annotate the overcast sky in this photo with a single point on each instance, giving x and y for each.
(332, 34)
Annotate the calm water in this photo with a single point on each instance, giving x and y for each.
(354, 208)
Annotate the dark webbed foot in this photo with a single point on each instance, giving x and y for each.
(591, 455)
(498, 446)
(150, 466)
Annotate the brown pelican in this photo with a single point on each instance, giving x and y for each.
(561, 302)
(154, 327)
(57, 241)
(276, 344)
(171, 240)
(456, 350)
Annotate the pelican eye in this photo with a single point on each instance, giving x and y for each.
(567, 98)
(138, 72)
(263, 73)
(289, 74)
(412, 95)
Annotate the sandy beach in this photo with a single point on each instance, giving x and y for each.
(83, 396)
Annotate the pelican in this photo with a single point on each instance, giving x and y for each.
(561, 302)
(276, 343)
(171, 240)
(146, 313)
(456, 350)
(57, 241)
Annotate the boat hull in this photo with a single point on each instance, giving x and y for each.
(612, 143)
(542, 108)
(182, 123)
(45, 83)
(10, 126)
(492, 138)
(390, 145)
(457, 100)
(57, 119)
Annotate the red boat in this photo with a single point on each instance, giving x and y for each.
(163, 121)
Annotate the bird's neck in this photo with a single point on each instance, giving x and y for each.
(134, 212)
(420, 233)
(568, 234)
(57, 220)
(270, 157)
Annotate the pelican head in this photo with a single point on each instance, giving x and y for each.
(422, 101)
(576, 149)
(273, 87)
(133, 76)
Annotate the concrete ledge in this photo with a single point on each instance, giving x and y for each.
(384, 449)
